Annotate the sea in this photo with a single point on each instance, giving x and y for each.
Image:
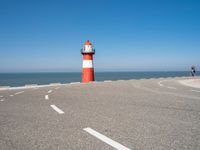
(22, 79)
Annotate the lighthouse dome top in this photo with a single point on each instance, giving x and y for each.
(88, 42)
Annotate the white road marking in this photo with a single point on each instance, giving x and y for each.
(166, 92)
(46, 97)
(19, 92)
(106, 139)
(49, 91)
(170, 87)
(57, 109)
(160, 83)
(11, 95)
(2, 100)
(1, 96)
(195, 91)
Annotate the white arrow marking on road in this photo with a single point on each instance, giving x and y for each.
(49, 91)
(106, 139)
(57, 109)
(19, 92)
(194, 90)
(46, 97)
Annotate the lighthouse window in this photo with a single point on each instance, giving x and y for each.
(88, 48)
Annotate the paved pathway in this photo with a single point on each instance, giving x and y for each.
(135, 114)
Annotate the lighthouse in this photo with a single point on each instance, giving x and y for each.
(88, 68)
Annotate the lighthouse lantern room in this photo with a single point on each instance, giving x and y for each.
(88, 48)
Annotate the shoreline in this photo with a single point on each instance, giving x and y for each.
(187, 82)
(22, 79)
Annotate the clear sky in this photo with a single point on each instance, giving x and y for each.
(128, 35)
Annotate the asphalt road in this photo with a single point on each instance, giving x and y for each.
(149, 114)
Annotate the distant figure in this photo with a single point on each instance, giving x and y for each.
(193, 71)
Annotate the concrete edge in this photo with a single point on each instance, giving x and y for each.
(29, 86)
(2, 88)
(190, 82)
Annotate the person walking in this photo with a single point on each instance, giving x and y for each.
(193, 71)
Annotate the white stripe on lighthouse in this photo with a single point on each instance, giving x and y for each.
(87, 64)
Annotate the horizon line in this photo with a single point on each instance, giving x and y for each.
(95, 71)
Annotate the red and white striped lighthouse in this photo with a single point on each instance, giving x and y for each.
(88, 68)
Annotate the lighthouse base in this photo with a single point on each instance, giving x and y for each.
(88, 75)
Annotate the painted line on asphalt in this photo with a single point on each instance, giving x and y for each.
(2, 100)
(19, 92)
(1, 96)
(57, 109)
(11, 95)
(195, 91)
(49, 91)
(160, 83)
(105, 139)
(57, 88)
(46, 97)
(170, 87)
(166, 92)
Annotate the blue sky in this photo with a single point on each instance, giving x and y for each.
(128, 35)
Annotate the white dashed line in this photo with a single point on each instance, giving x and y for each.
(49, 91)
(106, 139)
(1, 96)
(19, 92)
(170, 87)
(57, 109)
(160, 83)
(195, 91)
(46, 97)
(2, 100)
(11, 95)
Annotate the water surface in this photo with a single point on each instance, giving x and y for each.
(21, 79)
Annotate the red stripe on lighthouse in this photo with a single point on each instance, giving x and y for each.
(87, 57)
(88, 75)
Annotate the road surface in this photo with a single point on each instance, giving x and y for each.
(135, 114)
